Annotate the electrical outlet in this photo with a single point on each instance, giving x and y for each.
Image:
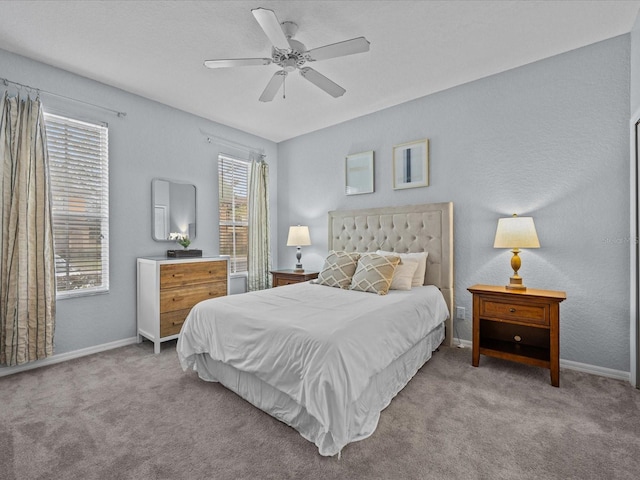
(460, 313)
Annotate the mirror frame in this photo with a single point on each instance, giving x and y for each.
(153, 207)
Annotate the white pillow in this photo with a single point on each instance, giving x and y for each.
(403, 276)
(418, 276)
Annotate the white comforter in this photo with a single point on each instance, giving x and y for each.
(319, 345)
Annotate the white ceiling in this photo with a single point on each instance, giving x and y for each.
(156, 49)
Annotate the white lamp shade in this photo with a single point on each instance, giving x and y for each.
(298, 236)
(516, 232)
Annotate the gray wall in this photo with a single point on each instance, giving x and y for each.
(153, 140)
(635, 112)
(635, 66)
(549, 140)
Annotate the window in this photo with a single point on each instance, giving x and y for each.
(79, 172)
(233, 178)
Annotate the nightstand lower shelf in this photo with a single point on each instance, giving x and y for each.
(528, 354)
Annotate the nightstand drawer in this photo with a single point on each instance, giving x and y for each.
(517, 312)
(289, 277)
(280, 282)
(177, 275)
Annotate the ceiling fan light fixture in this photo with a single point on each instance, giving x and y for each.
(289, 65)
(289, 29)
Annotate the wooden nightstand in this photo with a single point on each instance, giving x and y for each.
(287, 277)
(518, 325)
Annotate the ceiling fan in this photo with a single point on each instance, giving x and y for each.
(291, 55)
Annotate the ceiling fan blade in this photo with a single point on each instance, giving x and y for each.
(271, 26)
(340, 49)
(322, 82)
(236, 62)
(273, 86)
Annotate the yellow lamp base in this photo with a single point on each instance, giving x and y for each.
(515, 283)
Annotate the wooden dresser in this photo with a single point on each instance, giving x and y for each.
(169, 288)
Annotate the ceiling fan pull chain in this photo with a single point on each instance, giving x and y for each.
(284, 87)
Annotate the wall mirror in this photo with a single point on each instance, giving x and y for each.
(173, 209)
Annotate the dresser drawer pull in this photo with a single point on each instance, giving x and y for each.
(177, 299)
(512, 310)
(178, 275)
(177, 323)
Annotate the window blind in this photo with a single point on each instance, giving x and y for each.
(233, 180)
(79, 176)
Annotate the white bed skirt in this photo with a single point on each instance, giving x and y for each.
(363, 414)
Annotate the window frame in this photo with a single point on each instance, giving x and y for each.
(98, 205)
(234, 262)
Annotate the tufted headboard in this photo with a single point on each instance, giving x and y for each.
(413, 228)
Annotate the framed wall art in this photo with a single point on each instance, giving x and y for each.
(411, 165)
(358, 173)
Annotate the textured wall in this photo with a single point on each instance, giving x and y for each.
(153, 140)
(635, 114)
(549, 139)
(635, 66)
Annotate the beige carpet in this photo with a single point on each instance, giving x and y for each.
(129, 414)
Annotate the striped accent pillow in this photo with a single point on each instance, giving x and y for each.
(338, 269)
(374, 273)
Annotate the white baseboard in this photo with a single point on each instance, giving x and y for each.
(571, 365)
(595, 370)
(63, 357)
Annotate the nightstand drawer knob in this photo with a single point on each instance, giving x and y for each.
(517, 338)
(512, 310)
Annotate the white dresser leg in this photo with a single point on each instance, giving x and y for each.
(156, 347)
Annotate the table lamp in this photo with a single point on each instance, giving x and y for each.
(298, 237)
(516, 233)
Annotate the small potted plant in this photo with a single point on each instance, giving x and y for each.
(181, 238)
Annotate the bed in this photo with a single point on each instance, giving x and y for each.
(324, 360)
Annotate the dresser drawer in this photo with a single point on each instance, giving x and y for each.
(180, 274)
(186, 297)
(171, 322)
(517, 312)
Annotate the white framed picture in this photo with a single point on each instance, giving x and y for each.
(411, 165)
(358, 173)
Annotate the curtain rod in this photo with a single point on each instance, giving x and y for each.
(230, 143)
(39, 91)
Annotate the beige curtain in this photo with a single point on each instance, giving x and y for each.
(259, 255)
(27, 264)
